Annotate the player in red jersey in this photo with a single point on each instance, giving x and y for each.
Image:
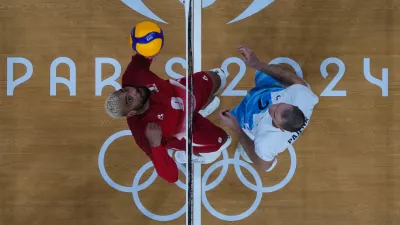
(155, 112)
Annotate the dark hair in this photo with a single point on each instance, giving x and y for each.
(293, 119)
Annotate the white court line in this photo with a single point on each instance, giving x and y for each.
(197, 68)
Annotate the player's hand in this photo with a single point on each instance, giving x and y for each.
(153, 58)
(229, 120)
(154, 134)
(249, 57)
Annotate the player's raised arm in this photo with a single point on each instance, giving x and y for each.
(284, 76)
(163, 163)
(146, 40)
(136, 67)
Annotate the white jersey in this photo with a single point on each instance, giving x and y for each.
(269, 141)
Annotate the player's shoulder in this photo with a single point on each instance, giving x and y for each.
(134, 77)
(135, 124)
(299, 88)
(302, 94)
(265, 130)
(269, 142)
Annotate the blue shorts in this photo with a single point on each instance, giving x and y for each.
(263, 83)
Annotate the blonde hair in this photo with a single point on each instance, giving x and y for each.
(112, 106)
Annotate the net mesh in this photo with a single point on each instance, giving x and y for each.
(190, 108)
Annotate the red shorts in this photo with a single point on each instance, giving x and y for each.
(202, 86)
(207, 137)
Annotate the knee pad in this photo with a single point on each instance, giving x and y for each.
(222, 76)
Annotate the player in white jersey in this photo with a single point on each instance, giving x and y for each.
(272, 115)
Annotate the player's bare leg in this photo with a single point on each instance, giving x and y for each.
(218, 78)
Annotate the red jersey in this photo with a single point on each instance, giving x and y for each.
(166, 109)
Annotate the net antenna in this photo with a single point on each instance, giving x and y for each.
(189, 110)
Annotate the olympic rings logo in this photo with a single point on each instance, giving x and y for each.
(224, 163)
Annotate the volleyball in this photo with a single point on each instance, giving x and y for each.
(147, 38)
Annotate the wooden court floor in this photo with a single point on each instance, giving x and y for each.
(346, 166)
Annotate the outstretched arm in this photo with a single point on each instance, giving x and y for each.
(139, 62)
(248, 144)
(138, 70)
(163, 163)
(284, 76)
(249, 148)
